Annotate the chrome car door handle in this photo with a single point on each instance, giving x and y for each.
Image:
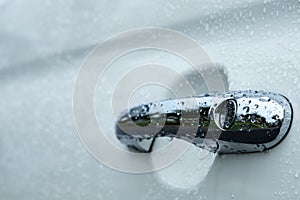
(233, 122)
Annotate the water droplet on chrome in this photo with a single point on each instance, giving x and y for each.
(246, 109)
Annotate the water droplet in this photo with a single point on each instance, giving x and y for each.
(296, 80)
(227, 125)
(264, 99)
(246, 109)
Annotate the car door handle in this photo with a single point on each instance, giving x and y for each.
(233, 122)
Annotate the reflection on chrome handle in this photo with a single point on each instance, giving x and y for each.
(233, 122)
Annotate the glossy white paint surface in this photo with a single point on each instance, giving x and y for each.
(42, 44)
